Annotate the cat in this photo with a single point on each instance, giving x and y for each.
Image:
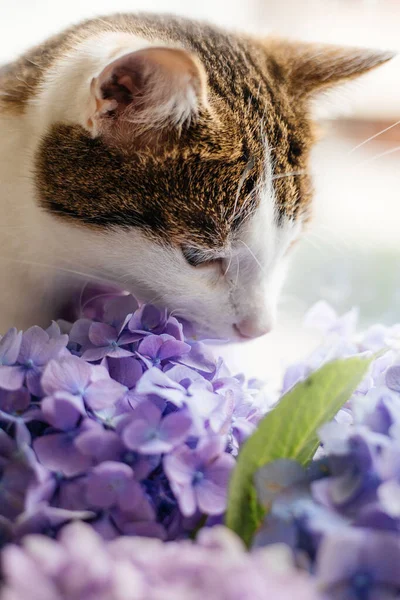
(165, 156)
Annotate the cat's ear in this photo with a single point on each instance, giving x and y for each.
(311, 68)
(150, 89)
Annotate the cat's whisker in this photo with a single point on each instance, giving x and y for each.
(373, 137)
(154, 299)
(320, 244)
(245, 218)
(229, 263)
(377, 156)
(82, 307)
(32, 263)
(254, 256)
(323, 241)
(237, 273)
(240, 185)
(247, 199)
(330, 230)
(35, 64)
(245, 202)
(289, 174)
(178, 311)
(97, 297)
(314, 237)
(107, 276)
(339, 243)
(311, 243)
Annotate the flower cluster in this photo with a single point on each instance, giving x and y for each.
(341, 517)
(123, 421)
(82, 566)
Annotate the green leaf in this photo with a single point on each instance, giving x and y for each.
(289, 431)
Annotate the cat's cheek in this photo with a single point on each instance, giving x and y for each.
(157, 273)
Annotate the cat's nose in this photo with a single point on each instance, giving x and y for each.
(251, 328)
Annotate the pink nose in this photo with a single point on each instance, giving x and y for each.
(251, 328)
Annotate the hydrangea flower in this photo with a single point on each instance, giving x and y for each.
(199, 477)
(15, 476)
(342, 517)
(104, 340)
(151, 433)
(156, 350)
(131, 424)
(357, 563)
(98, 412)
(78, 378)
(120, 502)
(148, 320)
(81, 566)
(57, 451)
(23, 356)
(11, 376)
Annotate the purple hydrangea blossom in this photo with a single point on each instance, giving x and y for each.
(148, 320)
(16, 475)
(323, 317)
(112, 484)
(151, 433)
(104, 340)
(16, 406)
(357, 563)
(76, 377)
(57, 451)
(201, 359)
(23, 357)
(46, 519)
(111, 490)
(156, 350)
(139, 439)
(238, 415)
(199, 477)
(393, 378)
(11, 376)
(127, 370)
(106, 445)
(81, 566)
(97, 419)
(343, 521)
(119, 310)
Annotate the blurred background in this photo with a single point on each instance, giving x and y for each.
(351, 255)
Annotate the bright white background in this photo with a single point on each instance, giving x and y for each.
(352, 255)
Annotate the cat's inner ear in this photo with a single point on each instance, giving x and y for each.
(311, 68)
(152, 88)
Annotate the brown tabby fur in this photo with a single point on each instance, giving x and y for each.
(183, 186)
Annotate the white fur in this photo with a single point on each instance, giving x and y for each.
(66, 93)
(43, 259)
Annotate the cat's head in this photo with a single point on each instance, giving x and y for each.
(185, 150)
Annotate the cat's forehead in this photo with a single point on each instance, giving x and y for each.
(201, 187)
(196, 194)
(177, 195)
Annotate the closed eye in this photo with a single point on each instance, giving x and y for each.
(199, 258)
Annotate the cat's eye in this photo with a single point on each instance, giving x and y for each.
(193, 257)
(197, 258)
